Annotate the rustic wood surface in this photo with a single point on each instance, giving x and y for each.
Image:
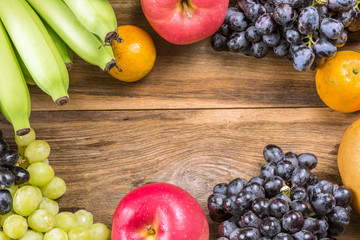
(199, 118)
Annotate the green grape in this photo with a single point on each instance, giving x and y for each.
(5, 216)
(13, 189)
(37, 151)
(15, 226)
(65, 220)
(56, 234)
(32, 235)
(21, 151)
(79, 233)
(26, 200)
(3, 236)
(84, 218)
(54, 189)
(99, 231)
(41, 220)
(49, 205)
(40, 174)
(25, 140)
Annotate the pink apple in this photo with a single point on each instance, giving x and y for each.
(185, 21)
(159, 211)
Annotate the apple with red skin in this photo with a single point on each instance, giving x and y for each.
(185, 21)
(159, 211)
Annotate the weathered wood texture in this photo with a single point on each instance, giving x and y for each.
(200, 118)
(102, 155)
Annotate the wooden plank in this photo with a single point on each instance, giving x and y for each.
(192, 76)
(102, 155)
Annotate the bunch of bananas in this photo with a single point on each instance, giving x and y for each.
(37, 38)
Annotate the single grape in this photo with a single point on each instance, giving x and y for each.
(256, 189)
(252, 34)
(249, 219)
(258, 180)
(299, 4)
(25, 140)
(230, 11)
(9, 158)
(301, 176)
(26, 200)
(225, 30)
(253, 11)
(339, 217)
(270, 226)
(238, 22)
(265, 24)
(65, 221)
(220, 188)
(307, 159)
(32, 235)
(278, 207)
(282, 236)
(56, 234)
(347, 17)
(237, 42)
(343, 196)
(244, 200)
(324, 48)
(283, 197)
(273, 186)
(15, 226)
(340, 42)
(235, 186)
(300, 195)
(353, 27)
(54, 189)
(323, 11)
(40, 174)
(293, 36)
(7, 179)
(226, 228)
(37, 151)
(323, 186)
(99, 231)
(21, 175)
(249, 233)
(308, 20)
(79, 233)
(259, 49)
(312, 225)
(323, 224)
(272, 39)
(341, 5)
(49, 205)
(260, 206)
(215, 206)
(41, 220)
(273, 153)
(282, 49)
(303, 207)
(6, 201)
(323, 204)
(5, 216)
(292, 157)
(218, 42)
(331, 28)
(292, 221)
(284, 14)
(284, 169)
(234, 234)
(304, 235)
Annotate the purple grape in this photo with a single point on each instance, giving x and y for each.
(292, 221)
(270, 226)
(219, 42)
(347, 17)
(331, 28)
(340, 42)
(238, 22)
(323, 204)
(265, 24)
(341, 5)
(308, 20)
(339, 217)
(304, 235)
(307, 159)
(272, 39)
(273, 153)
(343, 196)
(282, 49)
(284, 14)
(259, 49)
(226, 228)
(312, 225)
(237, 42)
(260, 207)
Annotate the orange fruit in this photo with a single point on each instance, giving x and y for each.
(338, 82)
(348, 162)
(135, 55)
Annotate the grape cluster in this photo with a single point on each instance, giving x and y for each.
(304, 31)
(285, 202)
(30, 210)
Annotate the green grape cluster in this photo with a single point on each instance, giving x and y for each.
(35, 213)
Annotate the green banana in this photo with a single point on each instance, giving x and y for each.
(29, 80)
(36, 48)
(15, 102)
(64, 50)
(97, 16)
(85, 44)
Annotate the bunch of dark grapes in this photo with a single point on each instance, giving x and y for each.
(10, 175)
(304, 31)
(285, 202)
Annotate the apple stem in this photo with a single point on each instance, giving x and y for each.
(185, 6)
(150, 230)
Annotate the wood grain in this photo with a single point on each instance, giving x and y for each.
(102, 155)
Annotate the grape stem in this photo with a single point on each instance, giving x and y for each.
(317, 2)
(150, 230)
(310, 42)
(357, 5)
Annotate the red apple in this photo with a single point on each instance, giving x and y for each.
(185, 21)
(159, 211)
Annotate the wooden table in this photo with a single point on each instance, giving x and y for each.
(200, 118)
